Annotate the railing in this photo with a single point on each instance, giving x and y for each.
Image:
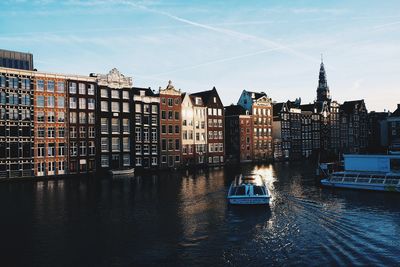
(368, 179)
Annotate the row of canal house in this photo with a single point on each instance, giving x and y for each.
(55, 124)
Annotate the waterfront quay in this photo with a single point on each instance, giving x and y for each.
(182, 219)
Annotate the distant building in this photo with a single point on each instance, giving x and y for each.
(16, 60)
(146, 128)
(259, 106)
(378, 132)
(171, 121)
(353, 126)
(393, 127)
(215, 126)
(16, 123)
(238, 134)
(287, 130)
(200, 129)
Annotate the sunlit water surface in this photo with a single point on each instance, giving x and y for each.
(183, 219)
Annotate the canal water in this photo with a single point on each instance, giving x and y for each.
(182, 219)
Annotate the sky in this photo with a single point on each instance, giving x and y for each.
(267, 46)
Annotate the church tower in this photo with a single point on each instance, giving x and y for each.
(323, 93)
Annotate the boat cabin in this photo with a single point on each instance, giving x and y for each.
(248, 185)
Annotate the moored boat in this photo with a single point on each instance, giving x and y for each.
(122, 172)
(248, 190)
(370, 172)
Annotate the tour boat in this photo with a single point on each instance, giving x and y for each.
(370, 172)
(122, 172)
(248, 190)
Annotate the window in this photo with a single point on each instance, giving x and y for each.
(40, 132)
(72, 88)
(72, 132)
(92, 132)
(26, 84)
(50, 116)
(170, 102)
(154, 135)
(154, 119)
(90, 88)
(91, 104)
(176, 115)
(138, 162)
(177, 101)
(163, 115)
(40, 85)
(40, 101)
(114, 94)
(25, 114)
(51, 132)
(126, 160)
(153, 149)
(146, 108)
(72, 102)
(125, 94)
(40, 150)
(82, 118)
(82, 89)
(50, 101)
(72, 117)
(177, 144)
(61, 149)
(138, 134)
(82, 148)
(82, 132)
(104, 161)
(146, 135)
(13, 99)
(60, 87)
(125, 125)
(25, 99)
(115, 125)
(154, 109)
(104, 125)
(50, 86)
(61, 132)
(177, 129)
(126, 144)
(170, 129)
(2, 81)
(154, 161)
(138, 149)
(170, 115)
(2, 97)
(104, 106)
(103, 93)
(114, 106)
(91, 118)
(104, 144)
(138, 119)
(125, 107)
(40, 116)
(60, 102)
(146, 149)
(92, 148)
(82, 103)
(163, 144)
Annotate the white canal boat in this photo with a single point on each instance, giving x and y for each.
(122, 172)
(370, 172)
(248, 190)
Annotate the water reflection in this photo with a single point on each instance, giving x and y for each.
(184, 219)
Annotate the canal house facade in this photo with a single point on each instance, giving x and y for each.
(170, 123)
(113, 119)
(16, 123)
(188, 128)
(50, 125)
(215, 126)
(81, 96)
(146, 127)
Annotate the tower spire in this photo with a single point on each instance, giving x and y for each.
(323, 93)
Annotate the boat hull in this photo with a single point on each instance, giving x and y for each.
(363, 186)
(128, 172)
(249, 200)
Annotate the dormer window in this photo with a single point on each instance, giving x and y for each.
(198, 101)
(142, 93)
(215, 99)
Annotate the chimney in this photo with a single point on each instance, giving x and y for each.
(398, 106)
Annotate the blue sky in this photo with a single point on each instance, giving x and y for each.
(270, 46)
